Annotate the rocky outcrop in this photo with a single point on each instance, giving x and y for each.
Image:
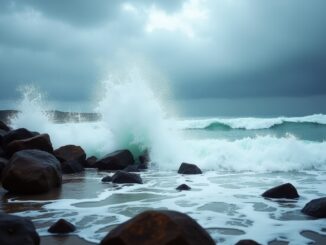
(62, 226)
(159, 227)
(183, 187)
(316, 208)
(71, 157)
(90, 162)
(17, 134)
(188, 168)
(31, 172)
(122, 177)
(282, 191)
(40, 142)
(117, 160)
(17, 230)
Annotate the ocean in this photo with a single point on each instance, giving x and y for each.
(241, 157)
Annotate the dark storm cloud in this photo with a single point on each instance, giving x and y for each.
(207, 48)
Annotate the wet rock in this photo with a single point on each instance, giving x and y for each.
(183, 187)
(4, 126)
(117, 160)
(282, 191)
(90, 162)
(71, 167)
(132, 168)
(17, 134)
(316, 208)
(159, 227)
(2, 152)
(247, 242)
(144, 158)
(72, 158)
(62, 226)
(121, 177)
(3, 163)
(15, 230)
(31, 172)
(107, 179)
(188, 168)
(40, 142)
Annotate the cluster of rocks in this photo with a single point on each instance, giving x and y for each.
(30, 165)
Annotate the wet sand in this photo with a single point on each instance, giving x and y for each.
(63, 240)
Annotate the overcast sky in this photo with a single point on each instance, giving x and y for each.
(206, 49)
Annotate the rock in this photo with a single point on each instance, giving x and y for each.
(31, 172)
(282, 191)
(159, 227)
(183, 187)
(107, 179)
(188, 168)
(40, 142)
(247, 242)
(121, 177)
(3, 163)
(2, 152)
(15, 230)
(316, 208)
(132, 168)
(62, 226)
(71, 167)
(17, 134)
(4, 126)
(144, 158)
(72, 158)
(117, 160)
(90, 162)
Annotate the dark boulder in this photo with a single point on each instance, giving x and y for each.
(188, 168)
(71, 167)
(17, 134)
(121, 177)
(90, 162)
(15, 230)
(316, 208)
(117, 160)
(247, 242)
(159, 227)
(183, 187)
(282, 191)
(62, 226)
(2, 152)
(72, 158)
(107, 179)
(39, 142)
(31, 172)
(4, 126)
(144, 158)
(3, 163)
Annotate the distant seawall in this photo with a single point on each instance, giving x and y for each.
(56, 116)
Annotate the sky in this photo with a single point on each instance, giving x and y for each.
(210, 52)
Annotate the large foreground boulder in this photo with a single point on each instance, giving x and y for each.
(316, 208)
(117, 160)
(31, 172)
(17, 134)
(282, 191)
(15, 230)
(188, 168)
(161, 228)
(122, 177)
(40, 142)
(72, 158)
(62, 226)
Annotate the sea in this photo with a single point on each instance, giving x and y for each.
(241, 157)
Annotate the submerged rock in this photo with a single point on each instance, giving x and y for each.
(31, 172)
(40, 142)
(282, 191)
(62, 226)
(316, 208)
(183, 187)
(159, 227)
(15, 230)
(17, 134)
(121, 177)
(107, 179)
(72, 158)
(247, 242)
(188, 168)
(117, 160)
